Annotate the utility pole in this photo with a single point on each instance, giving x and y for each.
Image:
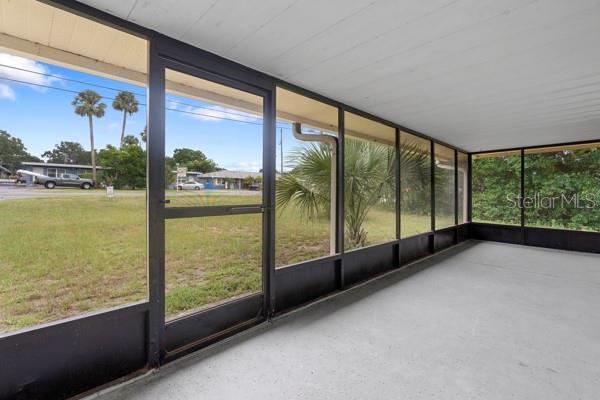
(281, 149)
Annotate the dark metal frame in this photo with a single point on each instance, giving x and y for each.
(340, 197)
(398, 188)
(432, 183)
(155, 147)
(196, 329)
(455, 187)
(68, 357)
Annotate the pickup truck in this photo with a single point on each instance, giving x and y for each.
(68, 180)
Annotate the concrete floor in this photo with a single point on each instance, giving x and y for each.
(484, 321)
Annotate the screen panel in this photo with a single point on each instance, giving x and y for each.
(304, 225)
(562, 187)
(496, 187)
(72, 166)
(415, 185)
(213, 143)
(369, 181)
(210, 261)
(444, 187)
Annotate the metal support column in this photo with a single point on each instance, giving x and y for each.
(156, 203)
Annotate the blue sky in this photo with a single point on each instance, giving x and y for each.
(42, 117)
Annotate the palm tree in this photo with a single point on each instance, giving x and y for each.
(144, 134)
(130, 140)
(369, 180)
(126, 102)
(87, 104)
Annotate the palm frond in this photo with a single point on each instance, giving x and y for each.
(369, 180)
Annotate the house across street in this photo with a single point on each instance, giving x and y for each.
(53, 170)
(219, 179)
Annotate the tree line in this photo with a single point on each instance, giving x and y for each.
(570, 177)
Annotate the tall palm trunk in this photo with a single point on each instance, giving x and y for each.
(123, 129)
(93, 150)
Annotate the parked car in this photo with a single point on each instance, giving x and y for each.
(67, 180)
(190, 185)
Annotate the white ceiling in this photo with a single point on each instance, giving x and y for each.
(479, 74)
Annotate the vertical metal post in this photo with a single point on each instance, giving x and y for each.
(340, 187)
(398, 187)
(455, 187)
(432, 159)
(269, 178)
(456, 195)
(470, 188)
(522, 203)
(398, 255)
(155, 170)
(333, 195)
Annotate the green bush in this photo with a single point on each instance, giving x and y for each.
(562, 189)
(496, 181)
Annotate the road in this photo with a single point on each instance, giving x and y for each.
(8, 192)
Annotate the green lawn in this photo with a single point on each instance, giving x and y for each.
(209, 259)
(198, 198)
(66, 255)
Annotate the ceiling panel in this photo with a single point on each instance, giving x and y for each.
(231, 23)
(171, 17)
(360, 29)
(295, 25)
(480, 74)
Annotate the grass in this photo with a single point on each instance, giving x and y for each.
(298, 238)
(209, 259)
(66, 255)
(197, 198)
(63, 256)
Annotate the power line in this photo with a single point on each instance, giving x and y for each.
(111, 88)
(49, 87)
(212, 116)
(66, 79)
(247, 115)
(141, 104)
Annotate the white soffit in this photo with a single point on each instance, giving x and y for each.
(36, 30)
(480, 74)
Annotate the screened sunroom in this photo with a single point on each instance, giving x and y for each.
(295, 199)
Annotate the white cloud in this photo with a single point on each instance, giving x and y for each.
(217, 113)
(6, 92)
(20, 73)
